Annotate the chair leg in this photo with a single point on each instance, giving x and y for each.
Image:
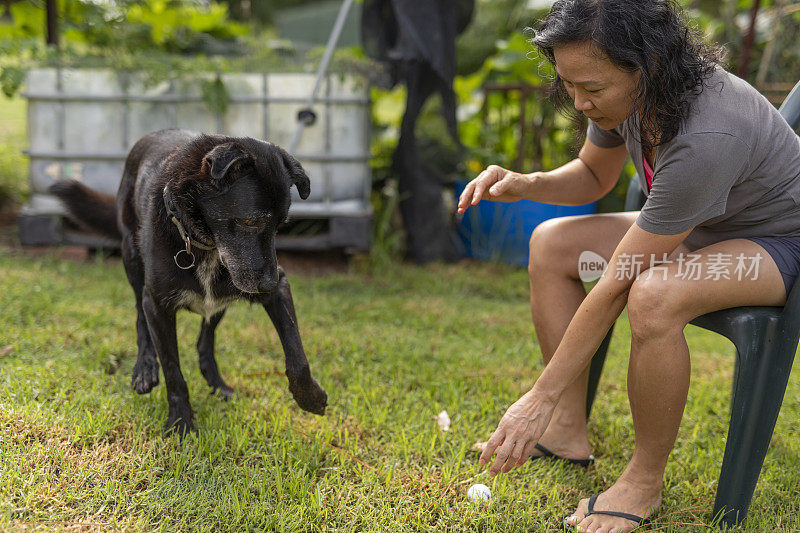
(596, 368)
(764, 361)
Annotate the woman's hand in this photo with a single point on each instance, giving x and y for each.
(496, 184)
(518, 432)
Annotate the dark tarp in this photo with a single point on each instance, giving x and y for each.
(416, 38)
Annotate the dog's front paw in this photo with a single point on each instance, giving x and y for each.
(179, 422)
(308, 394)
(145, 375)
(223, 391)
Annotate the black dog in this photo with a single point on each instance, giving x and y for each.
(197, 217)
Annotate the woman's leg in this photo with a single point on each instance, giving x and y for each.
(556, 292)
(660, 304)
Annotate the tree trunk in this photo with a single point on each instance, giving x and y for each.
(747, 42)
(52, 23)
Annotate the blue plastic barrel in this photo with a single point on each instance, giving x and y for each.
(497, 231)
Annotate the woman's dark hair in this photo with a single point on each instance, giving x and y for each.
(645, 35)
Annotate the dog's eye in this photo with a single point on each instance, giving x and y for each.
(251, 223)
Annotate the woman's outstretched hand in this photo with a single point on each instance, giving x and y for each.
(496, 184)
(519, 430)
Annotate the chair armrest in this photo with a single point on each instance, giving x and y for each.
(790, 109)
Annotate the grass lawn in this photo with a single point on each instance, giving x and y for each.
(79, 450)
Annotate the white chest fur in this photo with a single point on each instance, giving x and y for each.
(205, 304)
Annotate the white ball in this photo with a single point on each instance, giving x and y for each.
(479, 492)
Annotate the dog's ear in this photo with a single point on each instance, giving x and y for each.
(224, 158)
(297, 174)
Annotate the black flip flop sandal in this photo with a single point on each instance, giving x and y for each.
(627, 516)
(547, 454)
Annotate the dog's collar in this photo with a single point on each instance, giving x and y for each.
(187, 238)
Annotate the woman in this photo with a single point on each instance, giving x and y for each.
(722, 173)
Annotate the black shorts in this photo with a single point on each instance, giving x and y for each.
(785, 251)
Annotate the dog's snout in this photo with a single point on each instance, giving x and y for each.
(250, 273)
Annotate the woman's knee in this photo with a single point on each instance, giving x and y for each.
(654, 306)
(556, 244)
(549, 246)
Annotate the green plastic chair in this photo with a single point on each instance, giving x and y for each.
(766, 341)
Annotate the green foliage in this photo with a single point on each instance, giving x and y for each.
(388, 107)
(492, 22)
(178, 26)
(28, 21)
(11, 79)
(13, 164)
(175, 26)
(387, 235)
(490, 122)
(215, 95)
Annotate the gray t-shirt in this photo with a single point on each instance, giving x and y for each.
(732, 171)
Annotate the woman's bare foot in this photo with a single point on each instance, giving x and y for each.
(626, 496)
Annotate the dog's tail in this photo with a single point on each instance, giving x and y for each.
(94, 210)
